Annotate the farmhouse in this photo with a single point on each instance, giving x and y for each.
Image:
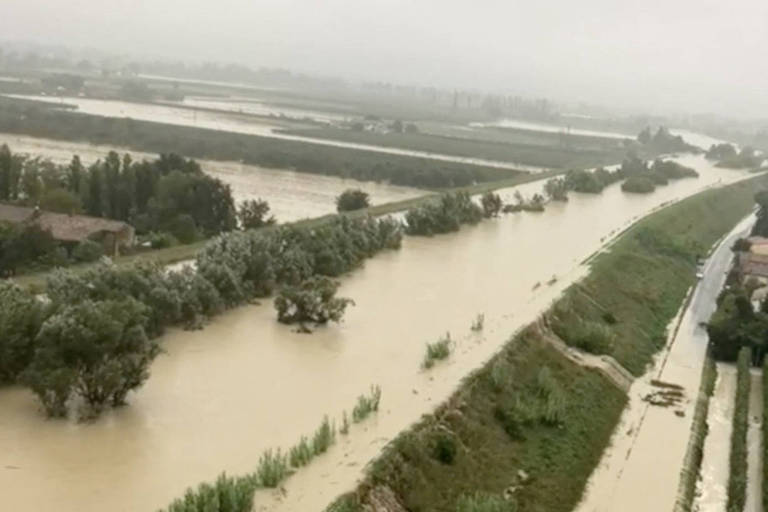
(72, 229)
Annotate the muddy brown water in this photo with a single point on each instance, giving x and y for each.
(229, 122)
(220, 396)
(291, 195)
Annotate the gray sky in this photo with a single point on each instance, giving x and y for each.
(657, 55)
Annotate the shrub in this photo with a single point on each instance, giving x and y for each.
(184, 228)
(492, 204)
(438, 350)
(21, 316)
(226, 495)
(272, 468)
(314, 300)
(161, 240)
(445, 447)
(352, 199)
(638, 185)
(87, 250)
(253, 214)
(324, 437)
(443, 216)
(301, 453)
(366, 405)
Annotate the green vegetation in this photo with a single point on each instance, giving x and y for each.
(254, 214)
(40, 120)
(236, 494)
(555, 154)
(663, 142)
(445, 215)
(366, 404)
(728, 158)
(93, 340)
(638, 185)
(437, 351)
(478, 323)
(722, 151)
(314, 300)
(482, 502)
(352, 199)
(737, 478)
(694, 454)
(764, 441)
(492, 204)
(735, 324)
(622, 308)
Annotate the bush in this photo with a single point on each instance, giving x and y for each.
(226, 495)
(443, 216)
(87, 251)
(21, 316)
(737, 478)
(366, 405)
(324, 437)
(638, 185)
(272, 468)
(253, 214)
(161, 240)
(352, 199)
(437, 351)
(96, 351)
(184, 228)
(492, 204)
(314, 300)
(445, 448)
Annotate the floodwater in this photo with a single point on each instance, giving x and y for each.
(754, 501)
(291, 195)
(551, 128)
(640, 470)
(218, 397)
(236, 123)
(258, 108)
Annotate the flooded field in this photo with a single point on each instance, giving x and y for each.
(220, 396)
(228, 121)
(552, 128)
(291, 195)
(250, 106)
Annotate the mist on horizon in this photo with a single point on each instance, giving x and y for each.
(690, 56)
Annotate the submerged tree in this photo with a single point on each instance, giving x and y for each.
(96, 351)
(314, 300)
(352, 199)
(492, 204)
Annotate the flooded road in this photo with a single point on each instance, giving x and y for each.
(291, 195)
(754, 501)
(222, 395)
(640, 471)
(231, 122)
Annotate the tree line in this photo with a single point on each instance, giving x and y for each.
(94, 339)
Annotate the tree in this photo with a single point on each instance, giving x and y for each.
(97, 351)
(556, 189)
(253, 214)
(20, 318)
(492, 204)
(352, 199)
(60, 200)
(314, 300)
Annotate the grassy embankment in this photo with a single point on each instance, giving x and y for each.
(510, 429)
(737, 476)
(551, 154)
(653, 262)
(694, 453)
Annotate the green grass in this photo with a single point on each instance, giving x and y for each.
(737, 477)
(624, 306)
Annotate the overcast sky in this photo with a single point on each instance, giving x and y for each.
(657, 55)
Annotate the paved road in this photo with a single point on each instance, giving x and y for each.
(640, 471)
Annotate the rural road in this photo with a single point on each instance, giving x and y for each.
(640, 471)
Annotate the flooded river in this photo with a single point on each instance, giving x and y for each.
(220, 396)
(236, 123)
(291, 195)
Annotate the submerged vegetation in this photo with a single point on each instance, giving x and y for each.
(93, 340)
(444, 215)
(313, 300)
(437, 351)
(236, 494)
(737, 477)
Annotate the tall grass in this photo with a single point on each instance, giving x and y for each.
(324, 437)
(272, 468)
(484, 502)
(437, 351)
(366, 404)
(737, 479)
(301, 453)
